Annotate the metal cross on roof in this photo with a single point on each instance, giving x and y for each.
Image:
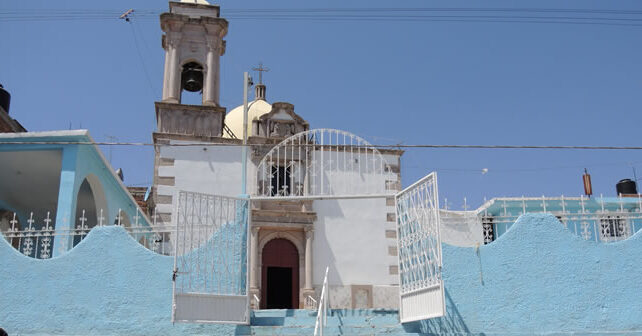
(261, 70)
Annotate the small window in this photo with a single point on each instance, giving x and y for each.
(488, 229)
(613, 227)
(281, 181)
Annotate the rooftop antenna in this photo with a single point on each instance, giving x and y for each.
(111, 139)
(125, 16)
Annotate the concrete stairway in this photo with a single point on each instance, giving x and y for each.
(340, 322)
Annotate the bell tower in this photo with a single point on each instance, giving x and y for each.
(193, 43)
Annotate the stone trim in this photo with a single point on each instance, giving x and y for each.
(354, 289)
(165, 180)
(165, 162)
(392, 251)
(393, 185)
(391, 234)
(391, 217)
(163, 199)
(166, 137)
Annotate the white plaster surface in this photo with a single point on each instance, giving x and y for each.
(206, 169)
(350, 238)
(385, 297)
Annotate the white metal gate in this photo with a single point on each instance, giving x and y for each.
(421, 288)
(210, 260)
(323, 163)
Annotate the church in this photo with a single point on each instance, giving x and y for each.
(199, 148)
(259, 224)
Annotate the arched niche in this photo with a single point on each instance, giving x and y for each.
(91, 207)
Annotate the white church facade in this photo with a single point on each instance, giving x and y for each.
(292, 238)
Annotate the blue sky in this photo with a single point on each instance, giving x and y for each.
(389, 82)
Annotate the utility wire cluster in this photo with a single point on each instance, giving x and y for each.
(400, 146)
(609, 17)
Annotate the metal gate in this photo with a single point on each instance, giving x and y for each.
(421, 288)
(210, 261)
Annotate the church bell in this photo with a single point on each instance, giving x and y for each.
(192, 77)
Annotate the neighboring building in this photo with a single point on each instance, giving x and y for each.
(54, 187)
(599, 219)
(7, 124)
(198, 149)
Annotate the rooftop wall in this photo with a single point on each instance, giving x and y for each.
(538, 278)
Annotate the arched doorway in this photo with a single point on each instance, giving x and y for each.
(91, 207)
(280, 275)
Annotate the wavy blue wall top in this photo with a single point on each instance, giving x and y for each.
(540, 278)
(107, 285)
(536, 278)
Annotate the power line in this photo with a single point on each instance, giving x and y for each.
(479, 15)
(140, 56)
(426, 146)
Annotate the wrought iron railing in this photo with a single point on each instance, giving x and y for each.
(322, 311)
(35, 238)
(310, 303)
(323, 162)
(598, 219)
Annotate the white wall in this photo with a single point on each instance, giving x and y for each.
(346, 173)
(205, 169)
(349, 237)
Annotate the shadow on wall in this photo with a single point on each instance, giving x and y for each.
(451, 324)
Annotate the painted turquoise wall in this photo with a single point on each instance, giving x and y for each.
(78, 162)
(106, 285)
(538, 278)
(576, 212)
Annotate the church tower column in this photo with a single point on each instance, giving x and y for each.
(309, 235)
(210, 89)
(173, 85)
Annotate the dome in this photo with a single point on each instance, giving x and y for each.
(234, 119)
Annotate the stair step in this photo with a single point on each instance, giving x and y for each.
(329, 330)
(339, 322)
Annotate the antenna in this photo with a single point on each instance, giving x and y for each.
(125, 16)
(112, 139)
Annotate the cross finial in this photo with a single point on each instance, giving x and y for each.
(261, 70)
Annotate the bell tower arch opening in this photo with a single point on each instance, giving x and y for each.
(191, 83)
(280, 275)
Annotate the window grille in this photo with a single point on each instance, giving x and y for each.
(613, 227)
(488, 229)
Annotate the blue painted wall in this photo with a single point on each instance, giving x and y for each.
(79, 161)
(576, 212)
(107, 285)
(538, 278)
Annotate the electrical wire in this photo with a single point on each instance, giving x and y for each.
(426, 146)
(142, 60)
(483, 15)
